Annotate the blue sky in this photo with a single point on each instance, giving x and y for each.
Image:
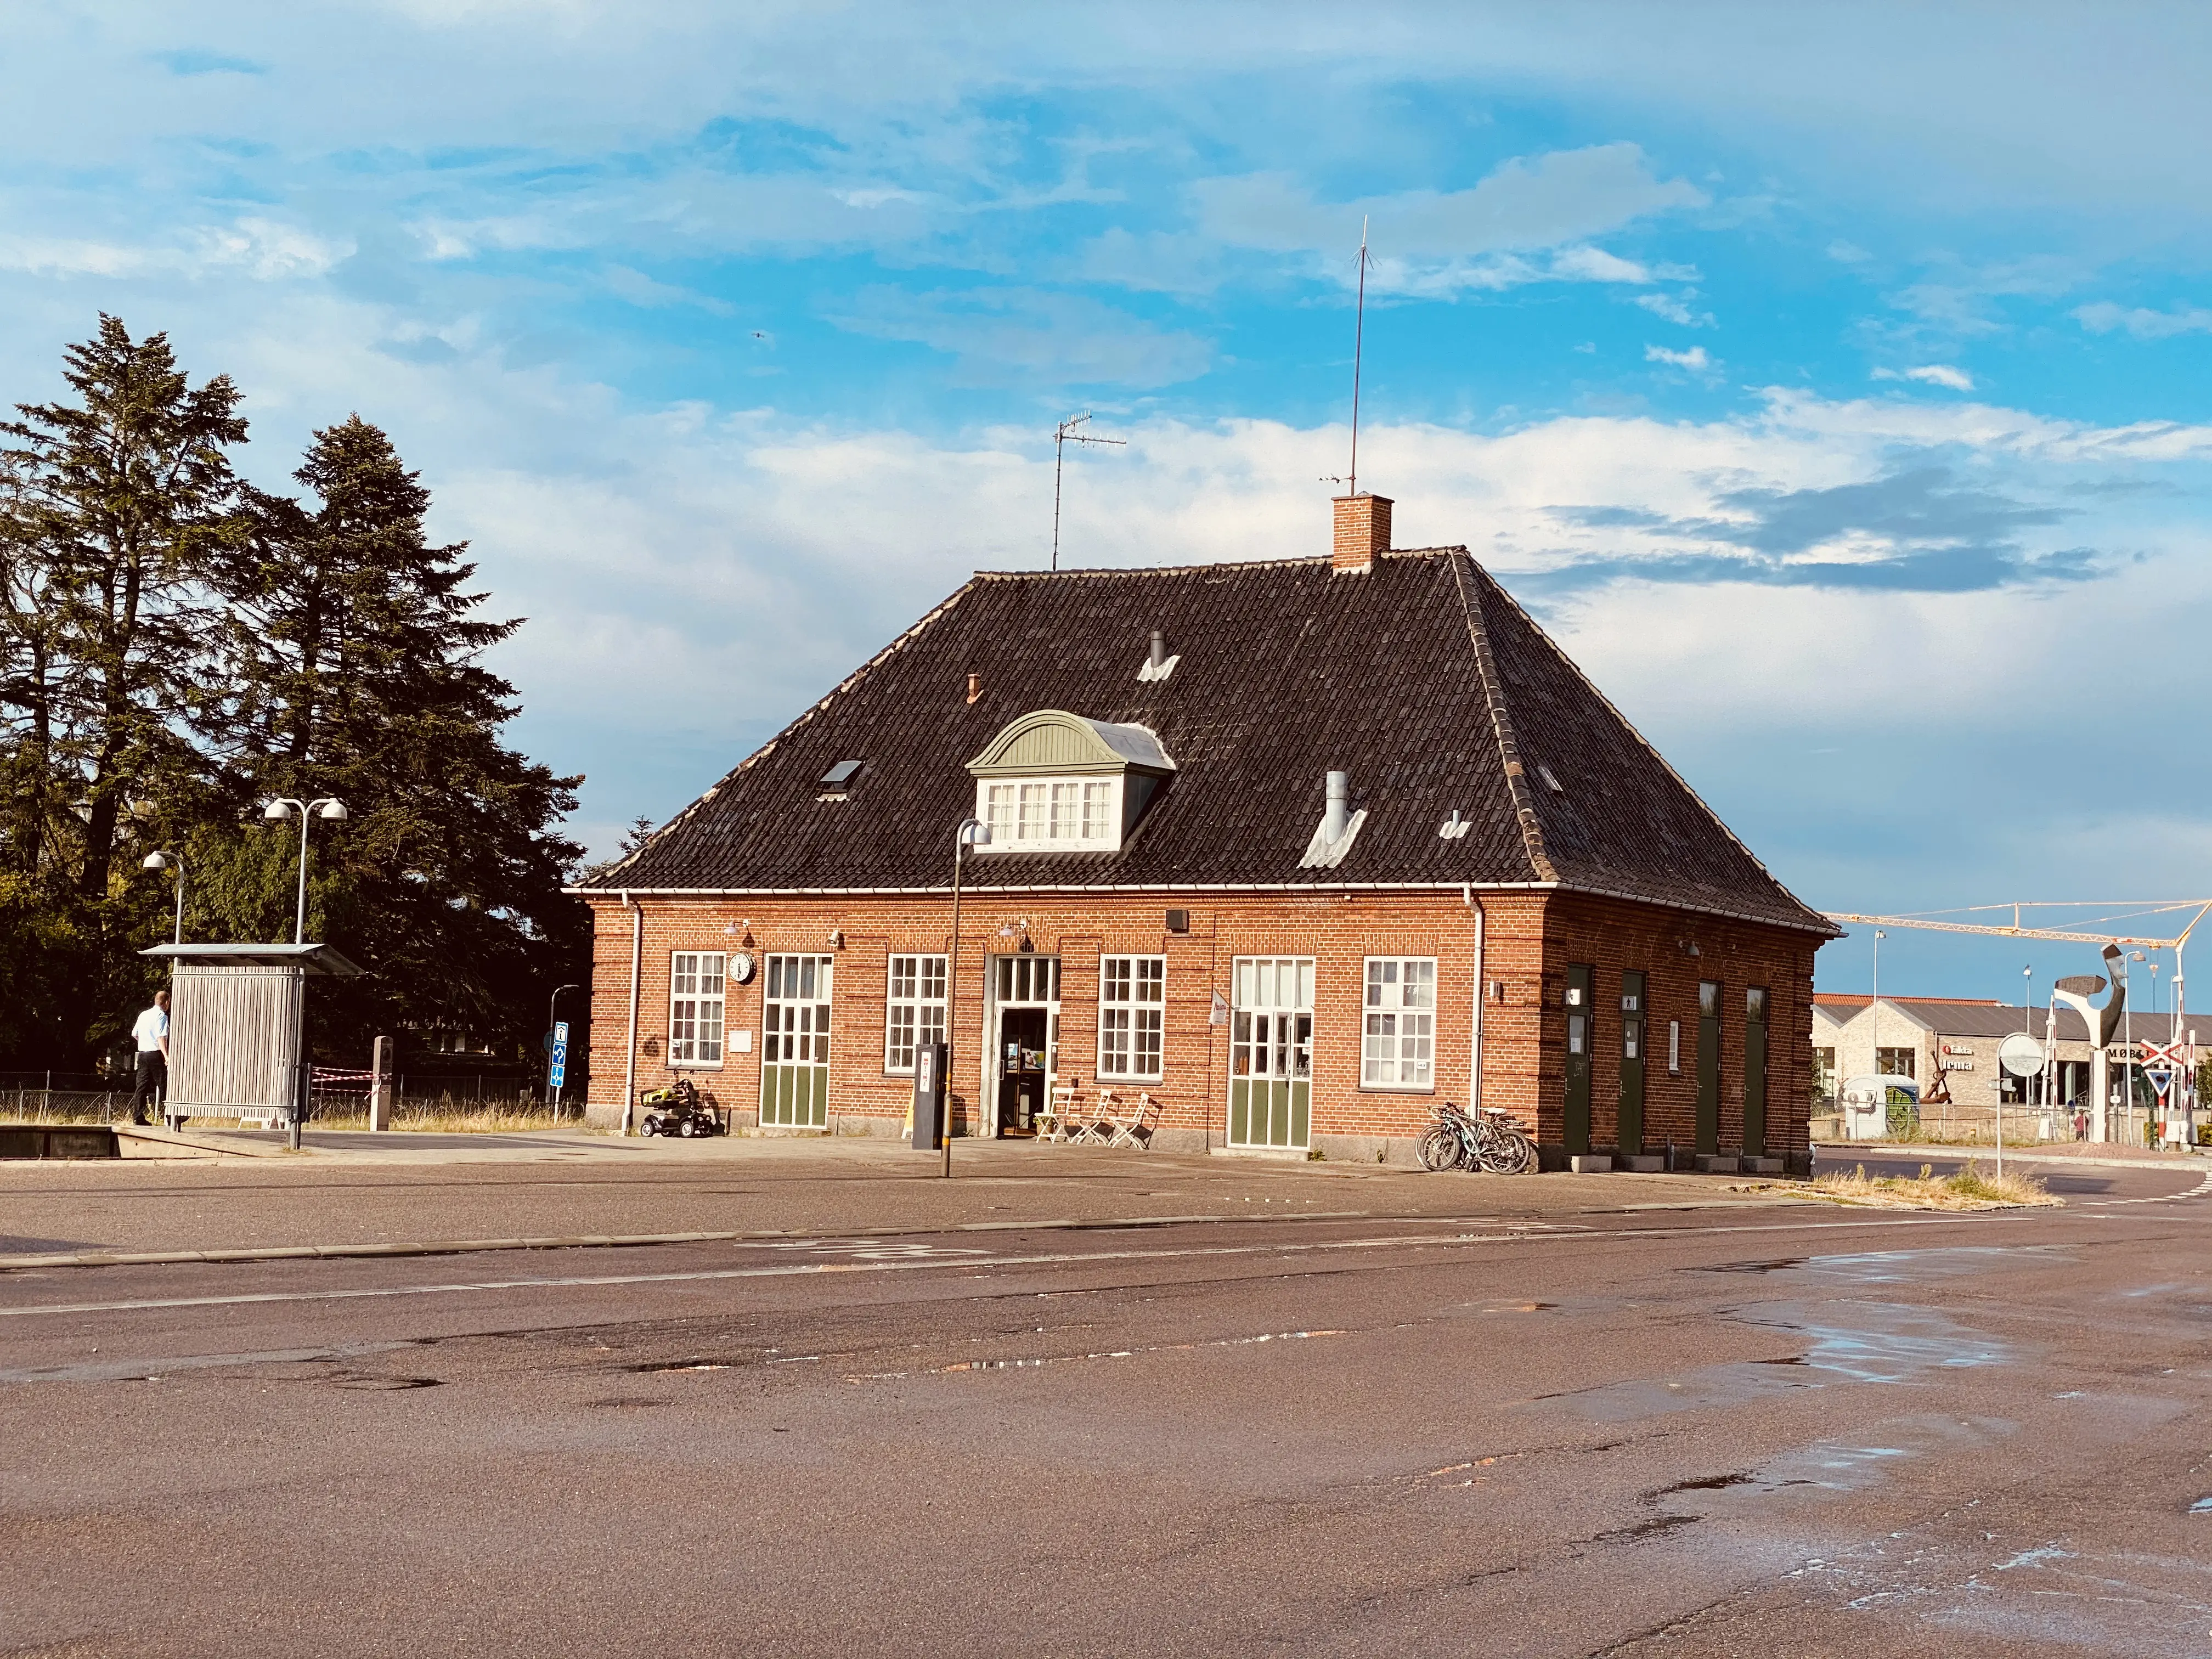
(1834, 385)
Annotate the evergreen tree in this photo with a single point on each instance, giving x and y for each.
(114, 512)
(361, 679)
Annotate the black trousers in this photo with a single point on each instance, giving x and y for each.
(153, 1082)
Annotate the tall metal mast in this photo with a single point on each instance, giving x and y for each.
(1070, 432)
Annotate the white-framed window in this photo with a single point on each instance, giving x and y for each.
(914, 1014)
(1132, 997)
(1051, 815)
(1398, 1049)
(694, 1007)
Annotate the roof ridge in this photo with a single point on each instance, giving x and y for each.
(898, 643)
(1649, 747)
(1501, 724)
(1209, 564)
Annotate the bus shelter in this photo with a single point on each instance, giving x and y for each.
(237, 1016)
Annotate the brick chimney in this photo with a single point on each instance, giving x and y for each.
(1362, 531)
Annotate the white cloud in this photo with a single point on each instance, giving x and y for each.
(266, 250)
(1941, 374)
(1014, 335)
(1694, 359)
(1436, 242)
(1675, 308)
(2103, 317)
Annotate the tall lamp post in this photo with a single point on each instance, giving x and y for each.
(171, 861)
(1875, 1009)
(973, 832)
(2128, 1037)
(329, 809)
(552, 1003)
(332, 810)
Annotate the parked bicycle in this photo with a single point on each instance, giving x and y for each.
(1486, 1139)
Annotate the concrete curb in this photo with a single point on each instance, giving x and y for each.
(189, 1146)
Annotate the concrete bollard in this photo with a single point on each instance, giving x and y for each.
(379, 1085)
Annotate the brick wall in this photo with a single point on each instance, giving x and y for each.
(1613, 936)
(1529, 940)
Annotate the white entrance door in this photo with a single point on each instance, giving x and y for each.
(1270, 1052)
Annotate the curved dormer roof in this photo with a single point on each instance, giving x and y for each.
(1054, 740)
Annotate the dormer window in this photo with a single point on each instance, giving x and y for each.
(1056, 782)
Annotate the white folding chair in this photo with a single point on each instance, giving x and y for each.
(1055, 1122)
(1131, 1129)
(1096, 1127)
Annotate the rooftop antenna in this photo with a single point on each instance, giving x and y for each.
(1358, 341)
(1070, 431)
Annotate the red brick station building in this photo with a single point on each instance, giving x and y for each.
(1296, 848)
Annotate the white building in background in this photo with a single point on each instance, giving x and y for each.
(1948, 1047)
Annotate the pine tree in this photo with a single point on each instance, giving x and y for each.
(114, 511)
(362, 681)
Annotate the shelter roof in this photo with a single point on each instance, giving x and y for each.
(316, 961)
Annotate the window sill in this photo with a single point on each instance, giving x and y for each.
(1101, 1080)
(696, 1065)
(1397, 1088)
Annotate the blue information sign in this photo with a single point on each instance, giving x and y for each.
(560, 1066)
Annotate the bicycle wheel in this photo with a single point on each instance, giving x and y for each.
(1521, 1153)
(1440, 1148)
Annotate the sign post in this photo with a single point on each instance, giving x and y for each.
(2021, 1055)
(556, 1072)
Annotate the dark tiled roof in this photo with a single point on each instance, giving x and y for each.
(1421, 678)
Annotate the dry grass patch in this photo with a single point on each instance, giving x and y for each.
(456, 1121)
(1971, 1188)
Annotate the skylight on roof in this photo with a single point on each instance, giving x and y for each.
(1552, 778)
(840, 775)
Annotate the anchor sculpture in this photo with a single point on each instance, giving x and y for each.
(2074, 992)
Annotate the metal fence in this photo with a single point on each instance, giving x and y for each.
(89, 1097)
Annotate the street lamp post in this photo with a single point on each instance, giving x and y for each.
(2128, 1037)
(1882, 1088)
(552, 1003)
(331, 810)
(171, 861)
(973, 832)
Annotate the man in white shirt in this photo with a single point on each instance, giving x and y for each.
(152, 1032)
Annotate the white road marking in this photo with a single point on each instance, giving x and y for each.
(1072, 1258)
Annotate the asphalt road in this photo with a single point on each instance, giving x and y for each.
(1776, 1431)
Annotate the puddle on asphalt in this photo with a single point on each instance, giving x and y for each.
(2202, 1506)
(1903, 1266)
(1849, 1342)
(1828, 1467)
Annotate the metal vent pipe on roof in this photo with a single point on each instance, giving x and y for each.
(1159, 647)
(1339, 811)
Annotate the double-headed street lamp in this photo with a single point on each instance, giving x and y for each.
(973, 832)
(331, 809)
(170, 861)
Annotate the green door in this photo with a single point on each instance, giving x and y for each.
(1754, 1072)
(1708, 1066)
(795, 1048)
(1632, 1063)
(1579, 978)
(1271, 1053)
